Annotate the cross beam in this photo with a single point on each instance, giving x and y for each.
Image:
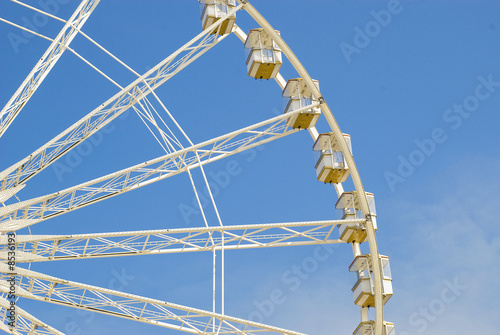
(25, 213)
(28, 167)
(41, 248)
(45, 64)
(25, 323)
(37, 286)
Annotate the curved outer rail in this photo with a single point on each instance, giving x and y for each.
(379, 317)
(347, 154)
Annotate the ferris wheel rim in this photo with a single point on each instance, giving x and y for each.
(336, 130)
(346, 152)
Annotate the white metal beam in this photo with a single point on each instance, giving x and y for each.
(25, 323)
(41, 248)
(41, 287)
(44, 156)
(46, 63)
(25, 213)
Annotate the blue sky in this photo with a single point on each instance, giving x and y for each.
(418, 91)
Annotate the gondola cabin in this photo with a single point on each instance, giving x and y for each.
(331, 166)
(213, 10)
(297, 96)
(363, 289)
(368, 328)
(351, 208)
(263, 55)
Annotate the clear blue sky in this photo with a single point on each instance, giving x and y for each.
(418, 90)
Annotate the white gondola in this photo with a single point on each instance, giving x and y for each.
(213, 10)
(331, 166)
(17, 215)
(297, 95)
(349, 204)
(363, 289)
(368, 328)
(263, 55)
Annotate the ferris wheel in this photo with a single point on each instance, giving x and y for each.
(305, 107)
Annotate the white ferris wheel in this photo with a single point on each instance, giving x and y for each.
(22, 248)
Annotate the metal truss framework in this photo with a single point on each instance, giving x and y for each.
(135, 92)
(25, 322)
(41, 248)
(45, 64)
(39, 209)
(25, 213)
(37, 286)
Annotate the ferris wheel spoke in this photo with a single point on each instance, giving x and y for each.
(27, 168)
(25, 323)
(45, 64)
(25, 213)
(42, 248)
(41, 287)
(265, 52)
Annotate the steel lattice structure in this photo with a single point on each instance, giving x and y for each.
(33, 248)
(16, 217)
